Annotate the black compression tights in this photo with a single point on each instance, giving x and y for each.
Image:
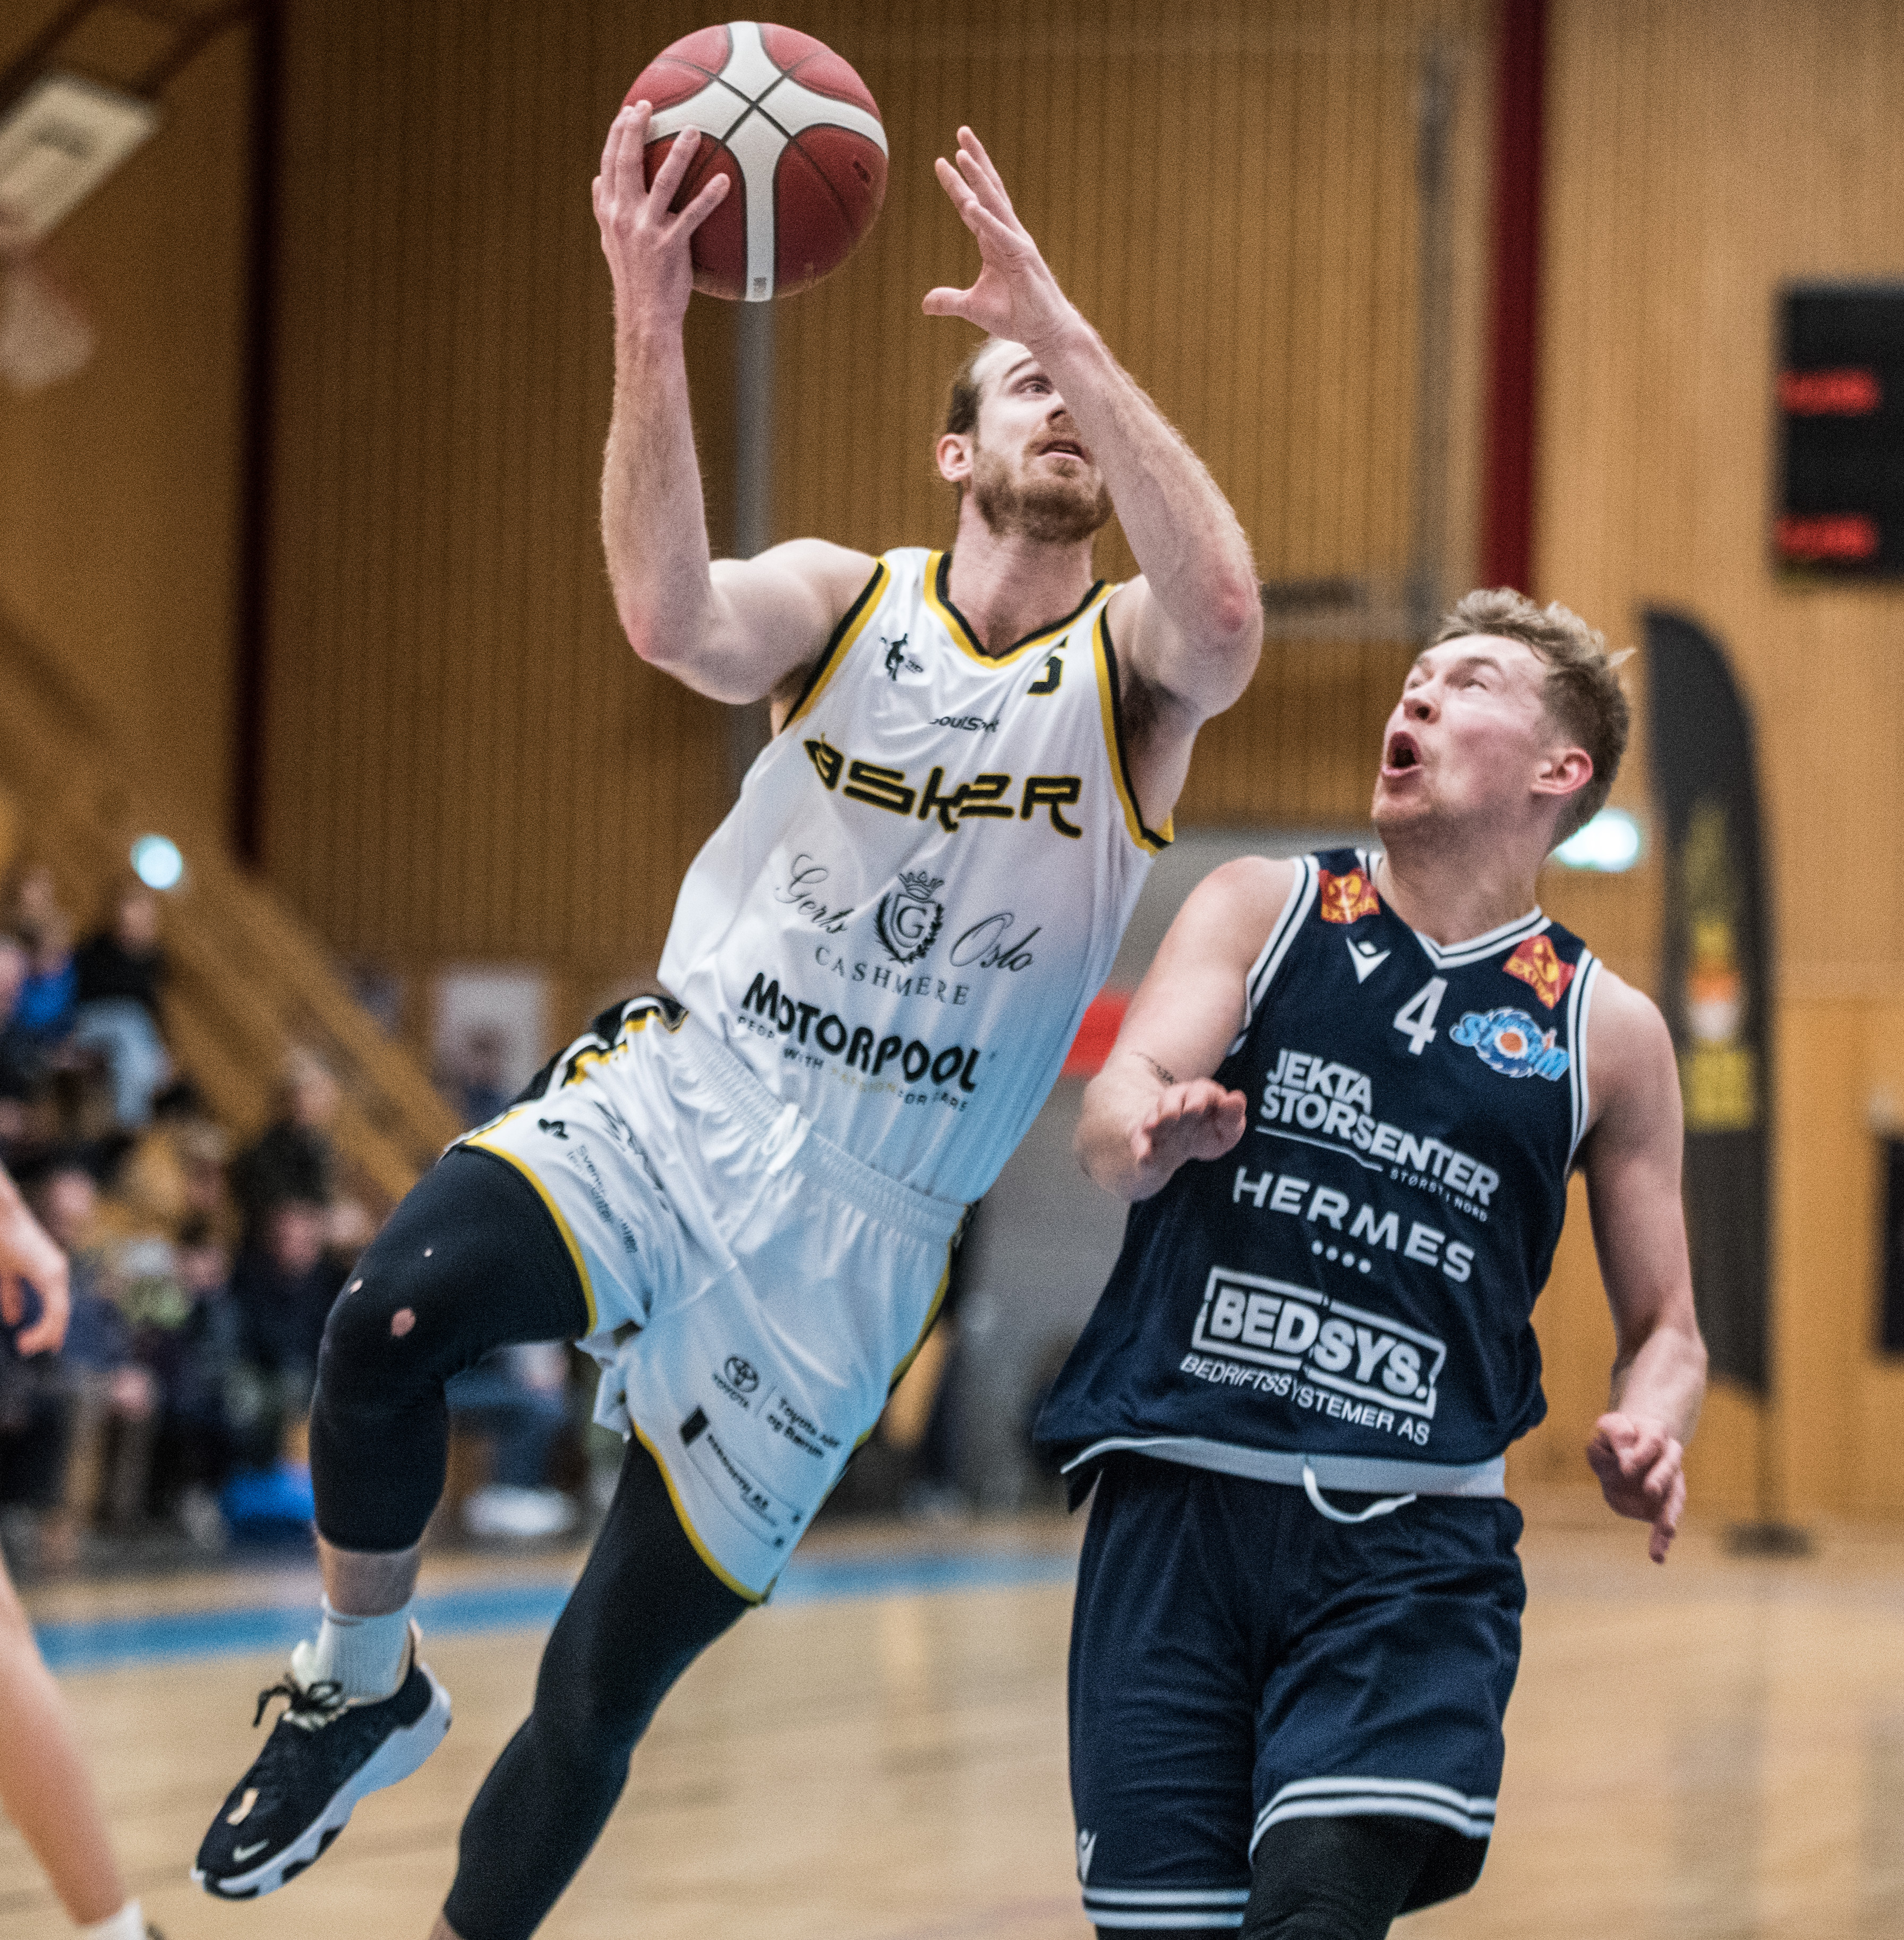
(1332, 1879)
(645, 1608)
(470, 1259)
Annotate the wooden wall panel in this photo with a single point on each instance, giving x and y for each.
(465, 759)
(1701, 155)
(1229, 195)
(119, 513)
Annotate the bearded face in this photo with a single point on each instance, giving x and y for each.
(1035, 497)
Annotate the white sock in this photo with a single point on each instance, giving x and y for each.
(128, 1923)
(365, 1654)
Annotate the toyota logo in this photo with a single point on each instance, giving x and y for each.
(743, 1374)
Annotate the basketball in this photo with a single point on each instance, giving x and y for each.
(798, 133)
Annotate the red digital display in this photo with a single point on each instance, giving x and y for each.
(1837, 536)
(1830, 394)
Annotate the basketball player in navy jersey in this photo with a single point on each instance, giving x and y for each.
(742, 1196)
(1345, 1104)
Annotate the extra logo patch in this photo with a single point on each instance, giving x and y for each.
(897, 657)
(1509, 1041)
(908, 919)
(1537, 965)
(1346, 898)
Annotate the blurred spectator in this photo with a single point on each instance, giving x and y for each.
(195, 1350)
(117, 975)
(283, 1286)
(47, 997)
(516, 1394)
(35, 1421)
(114, 1400)
(293, 1160)
(174, 1176)
(22, 1059)
(478, 1082)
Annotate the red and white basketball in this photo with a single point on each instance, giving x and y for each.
(799, 135)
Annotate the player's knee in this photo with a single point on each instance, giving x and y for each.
(379, 1339)
(1341, 1878)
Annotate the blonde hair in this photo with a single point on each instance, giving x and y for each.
(1582, 690)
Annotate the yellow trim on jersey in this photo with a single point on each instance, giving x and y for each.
(954, 621)
(852, 625)
(480, 1141)
(688, 1529)
(1146, 839)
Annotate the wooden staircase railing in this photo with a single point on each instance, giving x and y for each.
(248, 981)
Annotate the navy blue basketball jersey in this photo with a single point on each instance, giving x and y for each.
(1358, 1277)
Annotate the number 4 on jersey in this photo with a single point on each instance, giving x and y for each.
(1415, 1019)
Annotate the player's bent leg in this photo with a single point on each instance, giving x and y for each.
(645, 1607)
(470, 1259)
(1347, 1878)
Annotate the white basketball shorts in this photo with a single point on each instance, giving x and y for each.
(754, 1291)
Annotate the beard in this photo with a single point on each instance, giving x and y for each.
(1051, 511)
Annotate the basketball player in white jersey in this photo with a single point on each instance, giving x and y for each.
(743, 1196)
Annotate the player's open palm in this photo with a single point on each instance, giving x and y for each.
(1198, 1119)
(1016, 296)
(1642, 1474)
(647, 246)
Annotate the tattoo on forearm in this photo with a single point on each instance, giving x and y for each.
(1163, 1076)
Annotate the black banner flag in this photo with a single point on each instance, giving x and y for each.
(1715, 985)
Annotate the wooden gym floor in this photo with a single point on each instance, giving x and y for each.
(1715, 1749)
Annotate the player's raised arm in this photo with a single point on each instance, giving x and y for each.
(1155, 1103)
(1631, 1159)
(736, 631)
(1191, 629)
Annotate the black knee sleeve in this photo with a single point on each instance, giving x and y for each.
(470, 1259)
(1347, 1878)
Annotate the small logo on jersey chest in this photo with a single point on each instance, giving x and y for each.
(1509, 1041)
(898, 660)
(908, 919)
(1346, 898)
(1537, 965)
(1365, 957)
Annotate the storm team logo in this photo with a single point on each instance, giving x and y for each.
(907, 919)
(1346, 898)
(1537, 965)
(1509, 1041)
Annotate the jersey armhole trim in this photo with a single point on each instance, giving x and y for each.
(1579, 1003)
(1110, 701)
(1276, 946)
(852, 625)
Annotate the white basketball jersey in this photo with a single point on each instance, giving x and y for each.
(924, 882)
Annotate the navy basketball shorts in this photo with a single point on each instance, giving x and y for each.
(1237, 1660)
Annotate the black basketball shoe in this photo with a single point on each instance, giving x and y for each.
(325, 1753)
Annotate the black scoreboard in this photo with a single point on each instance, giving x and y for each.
(1840, 417)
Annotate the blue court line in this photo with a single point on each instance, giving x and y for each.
(179, 1636)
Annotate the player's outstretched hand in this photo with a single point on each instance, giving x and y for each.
(1016, 296)
(647, 247)
(1198, 1119)
(27, 1255)
(1641, 1465)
